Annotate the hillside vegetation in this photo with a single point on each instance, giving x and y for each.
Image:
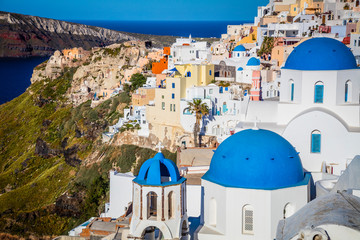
(53, 165)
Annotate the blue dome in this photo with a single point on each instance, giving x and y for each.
(321, 54)
(158, 171)
(239, 48)
(256, 159)
(253, 62)
(240, 69)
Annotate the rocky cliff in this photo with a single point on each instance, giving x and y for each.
(22, 35)
(26, 36)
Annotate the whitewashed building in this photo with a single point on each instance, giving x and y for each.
(247, 191)
(159, 202)
(186, 50)
(319, 106)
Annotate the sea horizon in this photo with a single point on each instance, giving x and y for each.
(179, 28)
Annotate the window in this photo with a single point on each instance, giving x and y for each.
(248, 220)
(212, 212)
(163, 106)
(348, 91)
(151, 204)
(171, 204)
(170, 107)
(210, 91)
(188, 74)
(292, 86)
(162, 96)
(315, 141)
(173, 85)
(288, 210)
(319, 92)
(210, 72)
(174, 107)
(173, 95)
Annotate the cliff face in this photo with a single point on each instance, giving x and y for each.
(25, 36)
(98, 72)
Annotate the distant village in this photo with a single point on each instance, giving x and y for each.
(265, 122)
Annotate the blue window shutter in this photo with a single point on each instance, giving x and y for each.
(173, 95)
(315, 143)
(292, 91)
(319, 93)
(173, 85)
(346, 92)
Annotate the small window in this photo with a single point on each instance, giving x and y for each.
(173, 95)
(162, 96)
(315, 141)
(163, 106)
(173, 85)
(174, 107)
(248, 220)
(171, 205)
(170, 107)
(213, 212)
(188, 74)
(210, 91)
(319, 92)
(292, 88)
(348, 91)
(210, 72)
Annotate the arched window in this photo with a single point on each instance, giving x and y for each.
(151, 205)
(248, 220)
(315, 141)
(136, 202)
(348, 91)
(292, 86)
(319, 92)
(212, 212)
(171, 204)
(288, 210)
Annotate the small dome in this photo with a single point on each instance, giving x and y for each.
(253, 62)
(255, 159)
(318, 54)
(240, 69)
(158, 171)
(239, 48)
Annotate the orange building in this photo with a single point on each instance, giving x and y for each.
(159, 67)
(143, 96)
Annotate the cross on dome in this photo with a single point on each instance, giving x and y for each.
(159, 146)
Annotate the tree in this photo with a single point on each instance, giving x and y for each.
(137, 80)
(266, 46)
(200, 109)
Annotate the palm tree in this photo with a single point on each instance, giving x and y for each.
(200, 109)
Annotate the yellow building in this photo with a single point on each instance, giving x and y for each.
(164, 115)
(143, 96)
(251, 38)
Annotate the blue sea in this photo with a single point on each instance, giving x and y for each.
(169, 28)
(15, 73)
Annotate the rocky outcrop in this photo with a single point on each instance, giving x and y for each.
(98, 71)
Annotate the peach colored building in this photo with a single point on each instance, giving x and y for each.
(143, 96)
(255, 87)
(75, 53)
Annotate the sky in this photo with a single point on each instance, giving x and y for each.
(169, 10)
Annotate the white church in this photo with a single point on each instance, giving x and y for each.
(263, 174)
